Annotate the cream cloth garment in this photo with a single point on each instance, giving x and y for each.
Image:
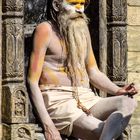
(62, 107)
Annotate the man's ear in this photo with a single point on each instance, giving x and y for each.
(56, 5)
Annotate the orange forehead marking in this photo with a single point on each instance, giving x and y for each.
(79, 1)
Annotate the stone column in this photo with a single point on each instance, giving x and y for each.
(117, 40)
(102, 39)
(117, 46)
(14, 95)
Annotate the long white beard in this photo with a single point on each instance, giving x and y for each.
(74, 30)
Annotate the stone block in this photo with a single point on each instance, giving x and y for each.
(134, 62)
(133, 2)
(133, 15)
(134, 77)
(4, 132)
(133, 38)
(136, 115)
(14, 104)
(135, 135)
(23, 132)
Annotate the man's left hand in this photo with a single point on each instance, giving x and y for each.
(129, 90)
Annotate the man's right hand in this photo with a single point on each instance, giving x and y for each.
(51, 133)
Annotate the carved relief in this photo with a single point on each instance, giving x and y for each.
(117, 55)
(20, 105)
(117, 10)
(15, 104)
(13, 50)
(13, 5)
(117, 40)
(23, 133)
(20, 102)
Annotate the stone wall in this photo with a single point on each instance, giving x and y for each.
(134, 58)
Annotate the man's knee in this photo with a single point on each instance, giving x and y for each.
(127, 104)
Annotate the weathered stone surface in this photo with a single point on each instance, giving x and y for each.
(133, 38)
(135, 132)
(22, 132)
(133, 15)
(134, 77)
(133, 2)
(136, 115)
(134, 62)
(14, 104)
(4, 132)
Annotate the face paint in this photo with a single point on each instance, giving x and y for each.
(73, 5)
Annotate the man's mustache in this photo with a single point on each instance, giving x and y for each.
(76, 16)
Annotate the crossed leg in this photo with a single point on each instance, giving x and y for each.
(110, 117)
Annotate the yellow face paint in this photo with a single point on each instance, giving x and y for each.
(74, 5)
(76, 1)
(78, 6)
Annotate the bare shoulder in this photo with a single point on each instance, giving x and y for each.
(43, 34)
(44, 28)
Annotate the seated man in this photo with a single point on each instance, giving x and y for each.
(62, 65)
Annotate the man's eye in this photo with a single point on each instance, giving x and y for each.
(73, 3)
(82, 3)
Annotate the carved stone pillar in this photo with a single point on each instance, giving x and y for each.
(117, 46)
(117, 40)
(13, 89)
(14, 95)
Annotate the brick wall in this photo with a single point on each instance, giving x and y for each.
(134, 59)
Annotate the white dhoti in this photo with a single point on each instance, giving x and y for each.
(62, 107)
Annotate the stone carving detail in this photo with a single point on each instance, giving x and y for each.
(117, 10)
(117, 40)
(117, 54)
(20, 103)
(24, 133)
(13, 5)
(15, 104)
(13, 51)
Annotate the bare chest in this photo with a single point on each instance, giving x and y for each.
(56, 51)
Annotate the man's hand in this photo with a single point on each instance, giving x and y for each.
(129, 90)
(51, 133)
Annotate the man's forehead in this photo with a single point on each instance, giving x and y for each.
(79, 1)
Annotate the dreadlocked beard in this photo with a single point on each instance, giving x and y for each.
(74, 31)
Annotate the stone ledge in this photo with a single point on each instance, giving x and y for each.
(133, 2)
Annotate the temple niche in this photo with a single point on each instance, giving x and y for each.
(18, 19)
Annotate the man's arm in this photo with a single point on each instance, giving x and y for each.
(102, 82)
(41, 41)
